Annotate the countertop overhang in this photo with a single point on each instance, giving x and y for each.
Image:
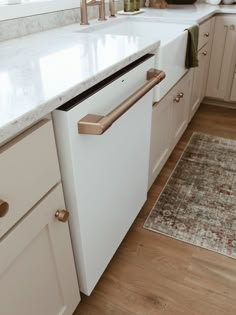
(40, 72)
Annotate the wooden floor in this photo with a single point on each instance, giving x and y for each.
(152, 274)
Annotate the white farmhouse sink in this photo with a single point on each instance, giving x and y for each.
(170, 57)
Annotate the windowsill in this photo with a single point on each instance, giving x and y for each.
(13, 11)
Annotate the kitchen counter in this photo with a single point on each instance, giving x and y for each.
(40, 72)
(189, 13)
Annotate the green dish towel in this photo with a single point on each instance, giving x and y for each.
(191, 59)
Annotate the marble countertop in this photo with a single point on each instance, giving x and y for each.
(40, 72)
(198, 12)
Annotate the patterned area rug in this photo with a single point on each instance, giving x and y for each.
(198, 204)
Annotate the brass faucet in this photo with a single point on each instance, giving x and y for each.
(112, 8)
(84, 13)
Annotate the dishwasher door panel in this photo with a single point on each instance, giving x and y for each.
(104, 176)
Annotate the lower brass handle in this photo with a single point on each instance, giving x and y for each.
(4, 206)
(180, 94)
(97, 125)
(177, 99)
(62, 215)
(204, 53)
(207, 34)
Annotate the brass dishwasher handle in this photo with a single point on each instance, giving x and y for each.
(4, 206)
(97, 124)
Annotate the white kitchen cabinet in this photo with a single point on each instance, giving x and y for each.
(233, 90)
(199, 79)
(36, 268)
(29, 169)
(160, 137)
(200, 73)
(179, 108)
(169, 120)
(205, 33)
(223, 57)
(37, 271)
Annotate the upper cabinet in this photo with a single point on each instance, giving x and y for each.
(223, 58)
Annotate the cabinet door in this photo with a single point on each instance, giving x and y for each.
(233, 90)
(36, 267)
(160, 137)
(180, 108)
(233, 87)
(198, 81)
(222, 58)
(169, 120)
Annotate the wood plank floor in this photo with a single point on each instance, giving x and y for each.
(152, 274)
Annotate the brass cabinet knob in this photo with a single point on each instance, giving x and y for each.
(4, 206)
(204, 53)
(180, 94)
(62, 215)
(207, 34)
(177, 99)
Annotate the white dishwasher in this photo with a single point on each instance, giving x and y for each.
(104, 163)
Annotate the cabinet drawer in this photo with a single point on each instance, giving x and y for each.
(29, 169)
(204, 34)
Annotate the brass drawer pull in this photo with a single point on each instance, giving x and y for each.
(180, 94)
(62, 215)
(204, 53)
(97, 124)
(207, 34)
(177, 99)
(4, 206)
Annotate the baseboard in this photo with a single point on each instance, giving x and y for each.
(217, 102)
